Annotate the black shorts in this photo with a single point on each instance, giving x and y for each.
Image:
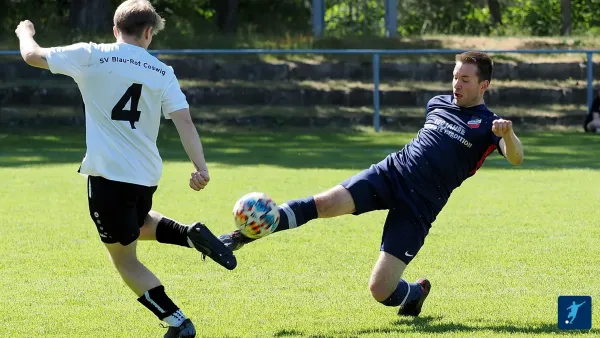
(118, 209)
(382, 188)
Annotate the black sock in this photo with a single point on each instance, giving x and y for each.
(157, 301)
(171, 232)
(296, 213)
(405, 291)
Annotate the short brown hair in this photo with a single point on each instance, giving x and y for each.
(484, 64)
(133, 16)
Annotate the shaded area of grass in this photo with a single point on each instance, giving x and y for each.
(291, 149)
(321, 85)
(171, 40)
(241, 111)
(433, 325)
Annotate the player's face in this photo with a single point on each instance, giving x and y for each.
(467, 89)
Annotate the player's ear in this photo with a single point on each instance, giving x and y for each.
(148, 32)
(115, 32)
(484, 85)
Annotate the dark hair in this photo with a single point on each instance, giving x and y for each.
(483, 62)
(132, 17)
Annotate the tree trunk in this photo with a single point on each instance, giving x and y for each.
(567, 18)
(495, 13)
(226, 15)
(89, 15)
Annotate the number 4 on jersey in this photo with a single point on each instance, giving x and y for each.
(133, 93)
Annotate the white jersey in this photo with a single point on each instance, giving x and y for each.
(124, 89)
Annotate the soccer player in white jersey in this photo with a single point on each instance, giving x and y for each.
(125, 90)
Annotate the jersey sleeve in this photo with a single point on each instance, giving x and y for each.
(428, 108)
(69, 60)
(173, 98)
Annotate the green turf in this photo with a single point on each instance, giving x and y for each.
(508, 243)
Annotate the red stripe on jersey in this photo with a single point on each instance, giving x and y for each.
(488, 151)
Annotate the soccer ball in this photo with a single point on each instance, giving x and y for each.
(256, 215)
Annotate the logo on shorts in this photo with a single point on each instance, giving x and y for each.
(574, 312)
(474, 123)
(408, 255)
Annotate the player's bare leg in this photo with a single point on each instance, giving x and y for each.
(388, 287)
(334, 202)
(134, 273)
(385, 276)
(148, 230)
(147, 287)
(165, 230)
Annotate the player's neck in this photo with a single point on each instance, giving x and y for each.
(478, 102)
(130, 41)
(475, 103)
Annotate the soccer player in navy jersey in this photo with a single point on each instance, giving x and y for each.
(415, 183)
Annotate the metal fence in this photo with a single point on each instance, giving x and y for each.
(376, 54)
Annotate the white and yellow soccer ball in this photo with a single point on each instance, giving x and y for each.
(256, 215)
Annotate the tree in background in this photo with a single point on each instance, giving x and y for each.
(567, 18)
(90, 15)
(226, 15)
(192, 19)
(495, 12)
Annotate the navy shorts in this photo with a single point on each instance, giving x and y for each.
(381, 187)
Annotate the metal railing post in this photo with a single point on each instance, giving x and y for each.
(590, 81)
(318, 17)
(376, 122)
(391, 13)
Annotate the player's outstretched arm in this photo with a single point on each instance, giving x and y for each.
(193, 147)
(509, 143)
(31, 52)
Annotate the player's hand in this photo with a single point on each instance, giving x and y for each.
(25, 27)
(502, 127)
(199, 180)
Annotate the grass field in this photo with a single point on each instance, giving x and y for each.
(508, 243)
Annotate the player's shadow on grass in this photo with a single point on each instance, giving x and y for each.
(432, 324)
(290, 149)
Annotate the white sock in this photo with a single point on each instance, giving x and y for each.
(175, 319)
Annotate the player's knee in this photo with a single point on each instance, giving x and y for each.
(152, 218)
(122, 256)
(380, 290)
(124, 262)
(334, 202)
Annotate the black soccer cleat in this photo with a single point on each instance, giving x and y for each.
(413, 308)
(185, 330)
(209, 245)
(235, 240)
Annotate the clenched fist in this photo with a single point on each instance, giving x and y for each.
(25, 27)
(199, 180)
(502, 127)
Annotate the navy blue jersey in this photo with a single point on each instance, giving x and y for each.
(449, 148)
